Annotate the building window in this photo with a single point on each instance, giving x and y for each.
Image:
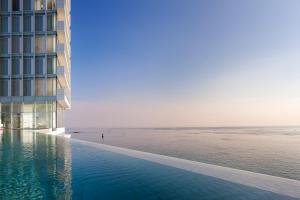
(16, 5)
(16, 24)
(15, 87)
(40, 44)
(16, 115)
(27, 69)
(51, 43)
(27, 85)
(51, 86)
(60, 116)
(39, 23)
(16, 107)
(39, 65)
(39, 87)
(3, 24)
(5, 114)
(4, 87)
(15, 69)
(39, 5)
(5, 107)
(27, 23)
(28, 115)
(41, 115)
(4, 67)
(27, 5)
(16, 43)
(4, 5)
(51, 22)
(3, 45)
(51, 4)
(27, 45)
(51, 65)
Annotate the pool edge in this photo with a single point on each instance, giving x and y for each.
(279, 185)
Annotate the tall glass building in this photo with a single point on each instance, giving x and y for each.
(34, 63)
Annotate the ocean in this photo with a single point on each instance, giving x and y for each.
(267, 150)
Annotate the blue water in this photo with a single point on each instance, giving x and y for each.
(38, 166)
(267, 150)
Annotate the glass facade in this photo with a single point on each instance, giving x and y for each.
(34, 90)
(37, 115)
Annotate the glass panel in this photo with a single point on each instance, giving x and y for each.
(27, 87)
(28, 115)
(3, 24)
(17, 119)
(6, 121)
(39, 87)
(27, 69)
(27, 5)
(51, 87)
(39, 23)
(3, 5)
(51, 65)
(51, 4)
(60, 117)
(39, 5)
(39, 65)
(40, 44)
(16, 24)
(15, 87)
(4, 87)
(4, 45)
(51, 43)
(16, 107)
(5, 108)
(49, 114)
(16, 43)
(16, 5)
(28, 108)
(54, 118)
(4, 67)
(27, 23)
(16, 115)
(41, 115)
(27, 44)
(51, 22)
(15, 67)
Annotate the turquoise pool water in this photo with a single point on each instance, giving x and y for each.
(38, 166)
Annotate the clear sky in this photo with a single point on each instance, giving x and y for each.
(145, 63)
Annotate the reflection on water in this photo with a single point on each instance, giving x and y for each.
(34, 166)
(38, 166)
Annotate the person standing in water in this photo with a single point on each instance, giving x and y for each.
(102, 136)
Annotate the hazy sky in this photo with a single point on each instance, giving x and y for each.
(145, 63)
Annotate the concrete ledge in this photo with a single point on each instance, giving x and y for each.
(57, 132)
(274, 184)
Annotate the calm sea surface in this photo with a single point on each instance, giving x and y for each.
(268, 150)
(40, 166)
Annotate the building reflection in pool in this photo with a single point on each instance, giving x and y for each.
(34, 165)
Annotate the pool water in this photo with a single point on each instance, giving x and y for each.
(39, 166)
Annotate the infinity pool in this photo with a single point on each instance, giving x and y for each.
(39, 166)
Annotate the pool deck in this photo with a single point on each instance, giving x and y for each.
(274, 184)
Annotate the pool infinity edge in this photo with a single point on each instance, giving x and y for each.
(279, 185)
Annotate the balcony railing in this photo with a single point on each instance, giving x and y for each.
(63, 97)
(63, 74)
(63, 32)
(63, 54)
